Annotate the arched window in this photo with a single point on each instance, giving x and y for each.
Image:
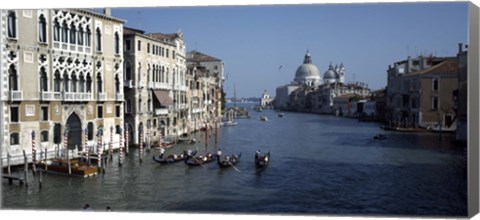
(65, 82)
(88, 39)
(99, 84)
(64, 32)
(128, 71)
(12, 78)
(81, 84)
(80, 35)
(117, 84)
(44, 136)
(89, 83)
(73, 34)
(139, 72)
(162, 77)
(74, 82)
(128, 106)
(12, 24)
(56, 82)
(148, 73)
(166, 77)
(42, 29)
(14, 139)
(56, 30)
(43, 80)
(117, 43)
(98, 41)
(140, 105)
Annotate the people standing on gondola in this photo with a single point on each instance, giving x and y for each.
(257, 154)
(219, 152)
(162, 151)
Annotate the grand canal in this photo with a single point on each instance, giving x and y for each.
(319, 165)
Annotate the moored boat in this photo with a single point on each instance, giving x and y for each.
(228, 161)
(60, 166)
(263, 118)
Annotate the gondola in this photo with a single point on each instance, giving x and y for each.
(261, 161)
(198, 160)
(171, 158)
(234, 159)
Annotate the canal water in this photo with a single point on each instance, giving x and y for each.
(320, 165)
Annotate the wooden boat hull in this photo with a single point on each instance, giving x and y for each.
(230, 163)
(77, 168)
(196, 161)
(262, 161)
(170, 158)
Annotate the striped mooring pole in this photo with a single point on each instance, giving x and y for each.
(85, 149)
(99, 149)
(126, 140)
(141, 146)
(110, 145)
(120, 150)
(34, 154)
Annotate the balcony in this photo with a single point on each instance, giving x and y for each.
(182, 106)
(46, 96)
(127, 83)
(119, 97)
(165, 86)
(161, 111)
(101, 96)
(68, 96)
(140, 84)
(57, 96)
(86, 96)
(151, 85)
(15, 95)
(197, 110)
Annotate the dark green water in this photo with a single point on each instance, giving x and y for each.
(319, 165)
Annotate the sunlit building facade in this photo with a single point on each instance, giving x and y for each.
(61, 75)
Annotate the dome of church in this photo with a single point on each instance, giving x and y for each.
(330, 74)
(307, 71)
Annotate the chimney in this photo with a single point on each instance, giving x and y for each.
(460, 45)
(107, 11)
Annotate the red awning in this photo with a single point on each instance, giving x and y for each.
(163, 97)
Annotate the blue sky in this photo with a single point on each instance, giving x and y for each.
(254, 41)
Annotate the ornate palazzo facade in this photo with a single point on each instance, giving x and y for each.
(61, 74)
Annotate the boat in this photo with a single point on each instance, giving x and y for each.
(198, 160)
(263, 118)
(187, 140)
(261, 161)
(60, 166)
(280, 115)
(230, 162)
(380, 137)
(172, 158)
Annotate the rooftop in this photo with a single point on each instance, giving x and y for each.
(195, 56)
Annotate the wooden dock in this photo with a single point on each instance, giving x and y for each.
(12, 178)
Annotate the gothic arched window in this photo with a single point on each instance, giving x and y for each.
(42, 29)
(56, 82)
(43, 80)
(12, 78)
(98, 41)
(117, 43)
(12, 24)
(56, 30)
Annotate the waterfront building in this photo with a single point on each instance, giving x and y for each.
(308, 93)
(307, 75)
(265, 100)
(420, 92)
(63, 71)
(206, 74)
(155, 84)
